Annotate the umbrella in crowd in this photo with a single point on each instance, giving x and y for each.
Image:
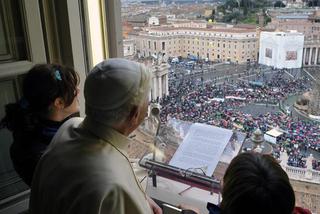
(205, 102)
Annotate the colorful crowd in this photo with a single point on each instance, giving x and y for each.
(201, 101)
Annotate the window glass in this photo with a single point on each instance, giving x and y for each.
(268, 85)
(12, 49)
(12, 38)
(10, 182)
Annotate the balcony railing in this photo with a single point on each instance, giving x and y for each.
(303, 174)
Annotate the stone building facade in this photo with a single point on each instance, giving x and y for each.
(306, 22)
(159, 82)
(159, 69)
(129, 48)
(215, 43)
(281, 49)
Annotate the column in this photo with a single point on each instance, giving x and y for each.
(303, 56)
(164, 86)
(154, 88)
(313, 52)
(310, 54)
(163, 78)
(306, 57)
(316, 57)
(167, 84)
(159, 87)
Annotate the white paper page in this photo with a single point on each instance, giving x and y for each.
(233, 148)
(201, 148)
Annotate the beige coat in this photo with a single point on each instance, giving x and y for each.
(86, 171)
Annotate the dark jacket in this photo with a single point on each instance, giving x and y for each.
(28, 147)
(213, 209)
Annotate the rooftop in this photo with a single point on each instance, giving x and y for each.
(293, 16)
(221, 29)
(283, 33)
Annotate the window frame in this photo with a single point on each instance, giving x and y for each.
(36, 47)
(34, 41)
(30, 12)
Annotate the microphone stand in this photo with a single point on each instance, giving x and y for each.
(155, 112)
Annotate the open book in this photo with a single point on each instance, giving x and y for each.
(202, 148)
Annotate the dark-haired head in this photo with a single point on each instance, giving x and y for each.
(49, 92)
(46, 82)
(256, 183)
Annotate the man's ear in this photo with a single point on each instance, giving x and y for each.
(134, 114)
(58, 103)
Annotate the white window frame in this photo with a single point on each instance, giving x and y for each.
(34, 41)
(78, 47)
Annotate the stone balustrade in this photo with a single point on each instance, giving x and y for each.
(302, 174)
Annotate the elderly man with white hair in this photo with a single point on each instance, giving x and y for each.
(86, 169)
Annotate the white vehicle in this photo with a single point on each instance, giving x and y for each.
(190, 63)
(175, 60)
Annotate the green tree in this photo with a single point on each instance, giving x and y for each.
(279, 4)
(221, 8)
(313, 3)
(230, 4)
(232, 16)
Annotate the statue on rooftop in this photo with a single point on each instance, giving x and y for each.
(309, 102)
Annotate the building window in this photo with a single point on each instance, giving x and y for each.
(163, 46)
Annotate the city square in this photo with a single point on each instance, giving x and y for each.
(247, 100)
(154, 106)
(244, 98)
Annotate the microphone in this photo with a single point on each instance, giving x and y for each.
(155, 112)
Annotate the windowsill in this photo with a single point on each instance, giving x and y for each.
(14, 68)
(15, 204)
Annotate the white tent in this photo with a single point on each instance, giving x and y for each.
(272, 135)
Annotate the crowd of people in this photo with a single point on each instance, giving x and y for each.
(75, 170)
(221, 105)
(316, 164)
